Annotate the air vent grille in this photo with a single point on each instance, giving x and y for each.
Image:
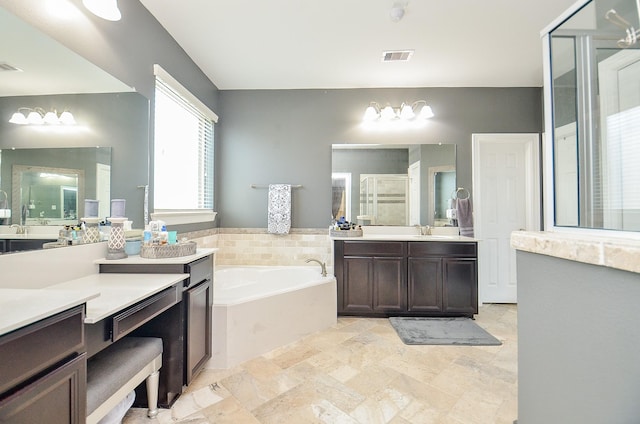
(397, 55)
(6, 67)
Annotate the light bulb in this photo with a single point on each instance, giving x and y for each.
(406, 112)
(387, 113)
(35, 118)
(51, 118)
(426, 112)
(67, 118)
(370, 114)
(18, 118)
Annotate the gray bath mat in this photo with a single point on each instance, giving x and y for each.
(442, 331)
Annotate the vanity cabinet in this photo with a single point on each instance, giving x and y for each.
(442, 278)
(186, 327)
(374, 277)
(44, 370)
(20, 245)
(396, 278)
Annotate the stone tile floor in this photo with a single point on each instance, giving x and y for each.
(360, 372)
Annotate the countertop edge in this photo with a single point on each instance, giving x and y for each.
(617, 253)
(136, 259)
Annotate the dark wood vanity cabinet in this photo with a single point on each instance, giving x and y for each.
(186, 328)
(380, 278)
(373, 277)
(443, 278)
(44, 370)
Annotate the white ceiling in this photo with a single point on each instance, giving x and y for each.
(288, 44)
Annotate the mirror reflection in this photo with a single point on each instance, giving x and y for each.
(48, 186)
(393, 184)
(109, 114)
(595, 68)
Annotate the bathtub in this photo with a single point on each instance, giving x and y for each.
(259, 308)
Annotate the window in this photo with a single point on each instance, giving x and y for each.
(183, 153)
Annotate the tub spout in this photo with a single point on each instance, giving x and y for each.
(323, 266)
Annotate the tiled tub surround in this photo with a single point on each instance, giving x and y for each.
(619, 253)
(254, 246)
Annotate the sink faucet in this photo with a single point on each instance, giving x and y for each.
(323, 266)
(423, 231)
(20, 229)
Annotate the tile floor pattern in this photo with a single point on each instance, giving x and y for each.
(360, 372)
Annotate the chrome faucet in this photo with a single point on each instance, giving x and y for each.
(20, 229)
(322, 265)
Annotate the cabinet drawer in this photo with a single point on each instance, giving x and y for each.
(31, 350)
(138, 314)
(373, 248)
(200, 270)
(439, 248)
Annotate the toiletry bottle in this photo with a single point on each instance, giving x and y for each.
(164, 235)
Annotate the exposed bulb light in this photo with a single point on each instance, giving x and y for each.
(415, 111)
(105, 9)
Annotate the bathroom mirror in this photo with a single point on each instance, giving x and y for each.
(391, 184)
(595, 69)
(112, 123)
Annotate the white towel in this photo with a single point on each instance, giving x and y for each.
(279, 209)
(465, 217)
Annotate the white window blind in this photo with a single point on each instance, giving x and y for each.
(183, 151)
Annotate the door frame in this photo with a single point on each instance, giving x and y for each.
(533, 204)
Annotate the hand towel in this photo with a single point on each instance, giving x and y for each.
(279, 209)
(465, 217)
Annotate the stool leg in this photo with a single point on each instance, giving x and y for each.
(152, 393)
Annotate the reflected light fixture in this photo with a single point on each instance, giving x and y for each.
(418, 110)
(37, 116)
(105, 9)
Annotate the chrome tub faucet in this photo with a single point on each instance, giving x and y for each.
(323, 266)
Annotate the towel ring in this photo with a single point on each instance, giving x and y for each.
(454, 193)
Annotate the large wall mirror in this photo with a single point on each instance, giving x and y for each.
(393, 184)
(107, 150)
(595, 69)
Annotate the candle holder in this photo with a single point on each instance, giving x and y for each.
(116, 243)
(91, 232)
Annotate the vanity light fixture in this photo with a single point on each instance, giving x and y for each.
(37, 116)
(105, 9)
(418, 110)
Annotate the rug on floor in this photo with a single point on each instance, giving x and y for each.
(442, 331)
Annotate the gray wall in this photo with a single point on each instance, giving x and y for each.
(285, 136)
(578, 332)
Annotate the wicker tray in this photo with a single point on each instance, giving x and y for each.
(345, 233)
(169, 250)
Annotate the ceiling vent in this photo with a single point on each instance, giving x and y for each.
(397, 55)
(6, 67)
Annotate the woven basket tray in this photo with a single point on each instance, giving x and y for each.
(345, 233)
(169, 250)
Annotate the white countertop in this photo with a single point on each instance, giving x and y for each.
(117, 291)
(28, 236)
(137, 260)
(21, 307)
(407, 237)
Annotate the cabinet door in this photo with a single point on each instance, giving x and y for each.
(198, 348)
(425, 285)
(460, 285)
(389, 285)
(357, 288)
(58, 397)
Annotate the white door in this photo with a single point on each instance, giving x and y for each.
(506, 189)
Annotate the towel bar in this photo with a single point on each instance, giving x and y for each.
(267, 186)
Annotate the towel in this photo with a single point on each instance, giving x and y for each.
(279, 209)
(465, 216)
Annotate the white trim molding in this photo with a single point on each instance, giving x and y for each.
(178, 217)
